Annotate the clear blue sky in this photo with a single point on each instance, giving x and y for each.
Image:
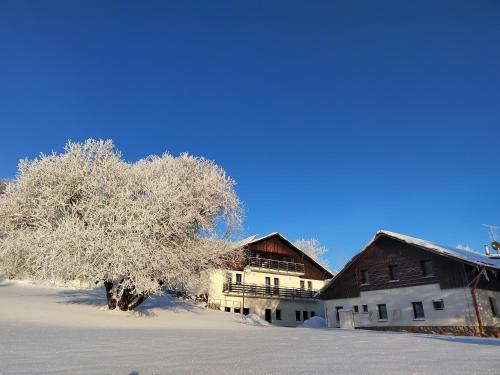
(336, 118)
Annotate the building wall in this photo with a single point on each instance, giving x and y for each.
(449, 280)
(387, 252)
(288, 308)
(487, 316)
(258, 305)
(458, 307)
(276, 246)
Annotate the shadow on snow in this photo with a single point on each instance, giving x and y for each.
(97, 297)
(465, 340)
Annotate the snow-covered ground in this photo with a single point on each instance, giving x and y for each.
(66, 331)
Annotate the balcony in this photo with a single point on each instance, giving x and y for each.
(267, 291)
(277, 266)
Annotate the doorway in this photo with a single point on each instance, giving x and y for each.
(268, 315)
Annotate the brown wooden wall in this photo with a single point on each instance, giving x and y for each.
(492, 284)
(386, 252)
(275, 246)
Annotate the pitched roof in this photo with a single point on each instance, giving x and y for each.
(295, 248)
(466, 256)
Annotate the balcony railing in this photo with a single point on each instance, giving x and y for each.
(278, 265)
(267, 291)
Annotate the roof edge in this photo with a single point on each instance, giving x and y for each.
(405, 239)
(290, 243)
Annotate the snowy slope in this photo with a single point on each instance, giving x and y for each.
(70, 307)
(47, 330)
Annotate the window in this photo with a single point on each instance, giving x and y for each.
(393, 273)
(246, 311)
(494, 307)
(305, 315)
(297, 316)
(302, 285)
(276, 289)
(418, 310)
(238, 278)
(365, 308)
(382, 312)
(310, 285)
(278, 314)
(237, 310)
(313, 314)
(356, 309)
(268, 285)
(227, 309)
(438, 304)
(364, 277)
(338, 308)
(427, 268)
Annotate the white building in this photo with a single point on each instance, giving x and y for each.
(278, 282)
(397, 282)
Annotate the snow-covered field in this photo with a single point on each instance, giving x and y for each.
(66, 331)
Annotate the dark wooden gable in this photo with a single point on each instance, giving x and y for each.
(275, 247)
(385, 252)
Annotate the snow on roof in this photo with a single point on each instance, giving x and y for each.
(461, 254)
(272, 234)
(467, 256)
(277, 234)
(244, 242)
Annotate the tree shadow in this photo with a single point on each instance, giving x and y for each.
(4, 281)
(92, 297)
(465, 340)
(97, 297)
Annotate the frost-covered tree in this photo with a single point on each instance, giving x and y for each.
(3, 186)
(313, 248)
(86, 214)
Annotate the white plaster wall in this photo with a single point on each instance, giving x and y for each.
(458, 308)
(285, 281)
(216, 281)
(258, 305)
(487, 316)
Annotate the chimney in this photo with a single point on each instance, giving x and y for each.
(487, 250)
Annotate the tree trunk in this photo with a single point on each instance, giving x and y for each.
(126, 299)
(110, 296)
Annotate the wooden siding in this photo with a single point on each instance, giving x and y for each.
(493, 276)
(386, 252)
(275, 248)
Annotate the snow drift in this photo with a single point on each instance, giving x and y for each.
(250, 319)
(314, 322)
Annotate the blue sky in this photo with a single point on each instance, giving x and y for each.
(336, 118)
